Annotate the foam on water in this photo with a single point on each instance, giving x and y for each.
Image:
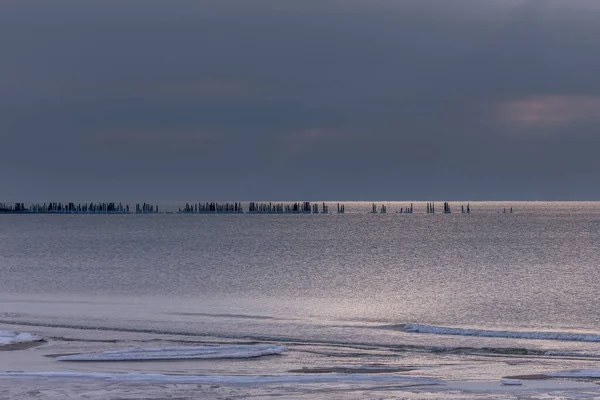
(8, 337)
(179, 353)
(442, 330)
(222, 379)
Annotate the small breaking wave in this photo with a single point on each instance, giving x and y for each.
(179, 353)
(442, 330)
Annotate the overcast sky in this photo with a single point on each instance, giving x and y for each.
(304, 99)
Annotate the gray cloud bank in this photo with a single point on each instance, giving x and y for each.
(271, 99)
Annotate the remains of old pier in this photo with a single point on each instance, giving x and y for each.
(212, 208)
(447, 209)
(430, 208)
(146, 208)
(406, 210)
(64, 208)
(382, 209)
(304, 207)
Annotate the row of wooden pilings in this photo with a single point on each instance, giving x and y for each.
(304, 207)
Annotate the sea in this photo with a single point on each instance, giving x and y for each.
(501, 302)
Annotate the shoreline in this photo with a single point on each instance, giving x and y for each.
(316, 374)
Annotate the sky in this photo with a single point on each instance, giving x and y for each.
(299, 100)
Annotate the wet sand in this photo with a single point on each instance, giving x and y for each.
(530, 377)
(21, 345)
(347, 370)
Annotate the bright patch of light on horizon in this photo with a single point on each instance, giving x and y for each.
(551, 109)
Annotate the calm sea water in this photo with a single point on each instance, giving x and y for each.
(535, 268)
(486, 280)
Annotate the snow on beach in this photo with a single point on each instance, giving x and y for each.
(179, 353)
(8, 338)
(100, 385)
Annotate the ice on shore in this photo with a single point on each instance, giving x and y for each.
(8, 337)
(222, 379)
(442, 330)
(179, 353)
(583, 373)
(511, 382)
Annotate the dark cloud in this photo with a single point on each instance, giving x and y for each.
(307, 99)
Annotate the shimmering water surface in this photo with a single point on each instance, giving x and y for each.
(426, 285)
